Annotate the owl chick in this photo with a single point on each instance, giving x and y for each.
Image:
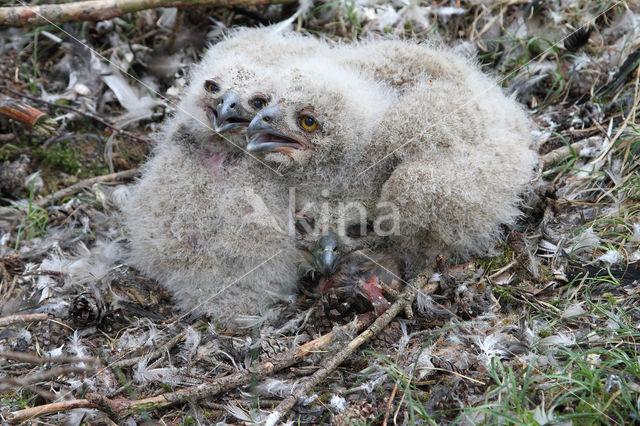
(216, 237)
(400, 63)
(460, 169)
(206, 221)
(351, 267)
(444, 156)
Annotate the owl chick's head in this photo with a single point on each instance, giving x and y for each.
(224, 93)
(318, 110)
(328, 234)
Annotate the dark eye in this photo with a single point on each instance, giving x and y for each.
(304, 224)
(357, 230)
(211, 86)
(258, 103)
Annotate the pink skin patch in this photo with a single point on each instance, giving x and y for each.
(372, 290)
(326, 284)
(214, 162)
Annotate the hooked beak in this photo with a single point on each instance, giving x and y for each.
(328, 258)
(263, 137)
(226, 115)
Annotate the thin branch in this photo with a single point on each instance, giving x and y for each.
(407, 297)
(73, 189)
(552, 157)
(118, 408)
(29, 413)
(42, 376)
(389, 403)
(35, 359)
(98, 10)
(11, 319)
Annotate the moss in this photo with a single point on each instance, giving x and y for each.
(59, 157)
(491, 264)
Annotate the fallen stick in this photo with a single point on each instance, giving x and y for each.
(118, 408)
(35, 359)
(29, 413)
(98, 10)
(552, 157)
(66, 192)
(11, 319)
(42, 376)
(407, 297)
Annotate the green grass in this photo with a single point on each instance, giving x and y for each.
(34, 224)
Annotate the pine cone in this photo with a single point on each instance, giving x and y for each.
(13, 264)
(86, 309)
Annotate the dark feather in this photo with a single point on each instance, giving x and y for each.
(627, 67)
(578, 38)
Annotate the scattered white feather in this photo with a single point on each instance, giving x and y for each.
(338, 403)
(306, 400)
(584, 241)
(447, 12)
(489, 347)
(544, 417)
(191, 343)
(272, 386)
(76, 346)
(424, 366)
(573, 311)
(54, 352)
(167, 375)
(560, 339)
(611, 257)
(139, 106)
(34, 181)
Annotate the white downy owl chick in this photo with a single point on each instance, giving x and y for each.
(463, 155)
(213, 231)
(458, 148)
(208, 222)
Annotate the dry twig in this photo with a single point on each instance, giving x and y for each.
(407, 297)
(66, 192)
(42, 376)
(121, 407)
(35, 359)
(552, 157)
(77, 111)
(98, 10)
(11, 319)
(29, 413)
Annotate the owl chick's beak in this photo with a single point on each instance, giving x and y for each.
(326, 257)
(226, 115)
(263, 137)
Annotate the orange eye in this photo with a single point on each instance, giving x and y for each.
(211, 86)
(308, 123)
